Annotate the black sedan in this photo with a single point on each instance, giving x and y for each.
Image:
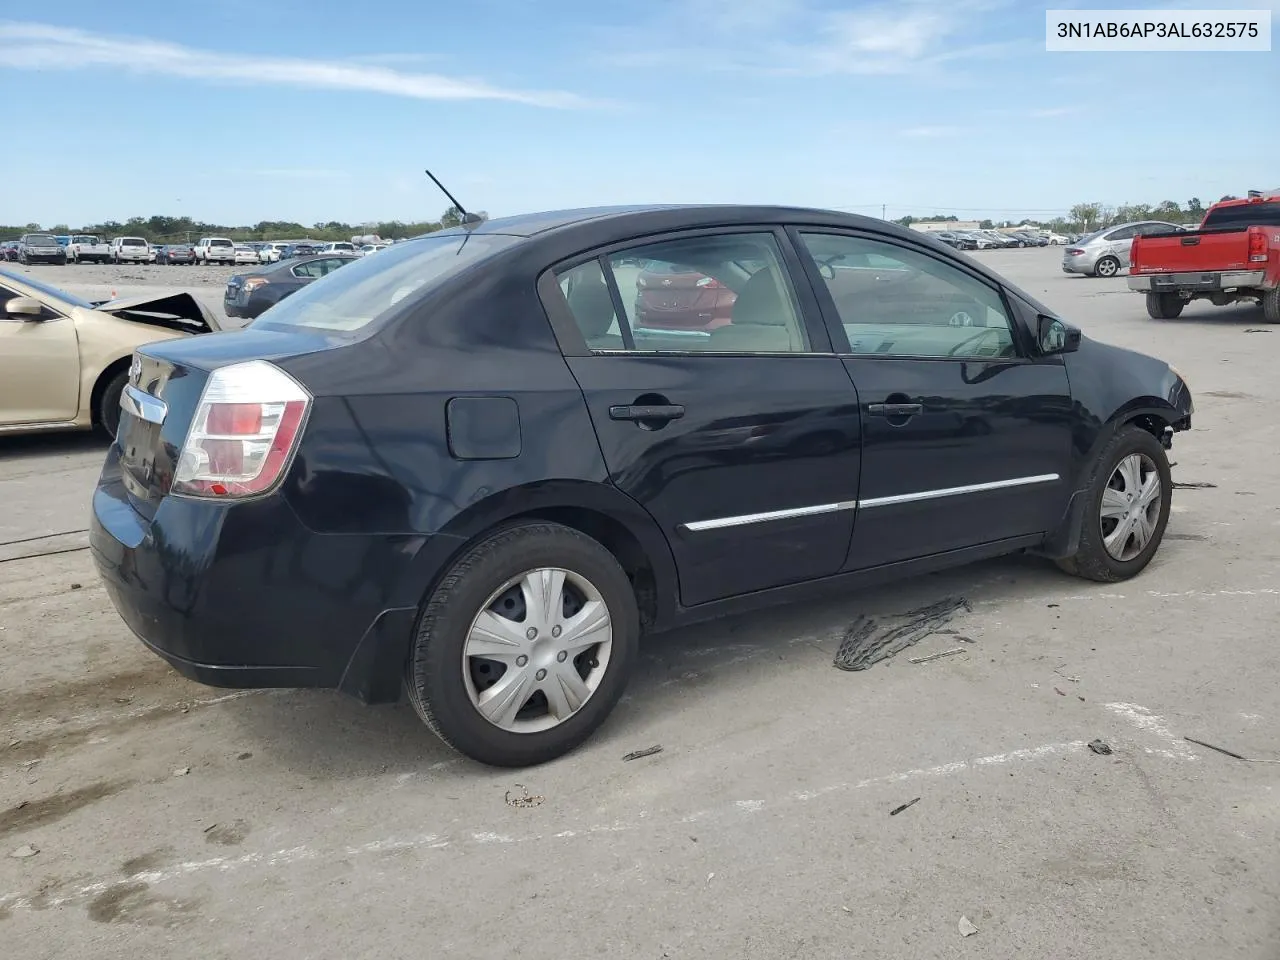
(249, 294)
(176, 253)
(458, 467)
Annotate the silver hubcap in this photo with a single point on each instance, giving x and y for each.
(538, 650)
(1107, 267)
(1131, 507)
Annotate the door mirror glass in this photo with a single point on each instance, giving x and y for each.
(1054, 336)
(24, 307)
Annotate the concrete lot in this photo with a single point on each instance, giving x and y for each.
(180, 821)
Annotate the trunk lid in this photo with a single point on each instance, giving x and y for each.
(166, 381)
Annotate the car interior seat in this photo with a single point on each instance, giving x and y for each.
(592, 307)
(762, 320)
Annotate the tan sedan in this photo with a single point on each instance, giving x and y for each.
(65, 361)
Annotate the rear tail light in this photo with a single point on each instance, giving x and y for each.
(1257, 247)
(244, 432)
(1073, 252)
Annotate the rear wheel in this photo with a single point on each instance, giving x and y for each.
(108, 412)
(526, 645)
(1126, 511)
(1106, 267)
(1271, 305)
(1164, 306)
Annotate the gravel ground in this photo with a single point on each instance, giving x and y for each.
(185, 822)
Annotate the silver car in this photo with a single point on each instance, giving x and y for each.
(1106, 253)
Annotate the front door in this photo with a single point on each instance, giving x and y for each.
(39, 366)
(720, 411)
(966, 437)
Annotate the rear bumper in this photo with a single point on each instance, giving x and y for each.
(247, 597)
(1195, 282)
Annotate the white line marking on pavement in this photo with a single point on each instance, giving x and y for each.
(1151, 723)
(734, 810)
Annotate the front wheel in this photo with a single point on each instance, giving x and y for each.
(1164, 306)
(108, 412)
(525, 646)
(1106, 267)
(1126, 508)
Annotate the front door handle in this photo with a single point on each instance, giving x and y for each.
(895, 409)
(640, 412)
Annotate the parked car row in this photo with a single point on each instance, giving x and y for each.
(995, 239)
(87, 248)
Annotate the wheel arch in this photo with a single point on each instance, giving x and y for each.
(109, 372)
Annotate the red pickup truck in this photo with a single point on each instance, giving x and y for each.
(1234, 255)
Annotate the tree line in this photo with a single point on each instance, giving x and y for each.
(1085, 217)
(175, 229)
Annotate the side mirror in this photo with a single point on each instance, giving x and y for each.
(1053, 336)
(24, 307)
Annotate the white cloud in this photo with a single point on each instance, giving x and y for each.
(806, 38)
(34, 46)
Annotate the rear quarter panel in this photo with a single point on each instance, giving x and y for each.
(105, 341)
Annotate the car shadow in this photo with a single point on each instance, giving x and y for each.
(53, 444)
(324, 734)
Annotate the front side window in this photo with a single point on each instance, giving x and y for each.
(897, 302)
(727, 293)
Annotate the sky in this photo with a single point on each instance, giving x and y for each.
(238, 111)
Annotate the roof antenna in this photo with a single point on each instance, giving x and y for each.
(467, 218)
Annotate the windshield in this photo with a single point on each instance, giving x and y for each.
(366, 288)
(41, 240)
(48, 291)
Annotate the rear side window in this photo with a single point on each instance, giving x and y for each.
(1244, 215)
(711, 294)
(364, 289)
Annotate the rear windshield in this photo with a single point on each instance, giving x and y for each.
(363, 290)
(40, 240)
(132, 242)
(84, 239)
(1244, 215)
(220, 243)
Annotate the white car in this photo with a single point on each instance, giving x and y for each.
(86, 248)
(369, 248)
(130, 250)
(341, 246)
(246, 254)
(215, 250)
(1057, 239)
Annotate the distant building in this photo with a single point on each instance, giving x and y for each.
(938, 226)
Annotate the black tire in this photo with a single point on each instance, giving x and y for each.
(434, 674)
(1106, 267)
(1092, 561)
(1271, 305)
(1164, 306)
(108, 412)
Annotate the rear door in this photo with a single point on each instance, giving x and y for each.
(742, 441)
(966, 436)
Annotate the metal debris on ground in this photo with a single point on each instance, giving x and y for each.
(1229, 753)
(525, 800)
(209, 827)
(868, 641)
(897, 810)
(1194, 485)
(182, 771)
(1058, 692)
(1099, 747)
(938, 656)
(647, 752)
(24, 852)
(1065, 677)
(1256, 330)
(967, 929)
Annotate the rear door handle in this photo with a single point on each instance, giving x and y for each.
(658, 411)
(894, 409)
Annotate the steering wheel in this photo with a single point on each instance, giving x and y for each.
(974, 338)
(961, 318)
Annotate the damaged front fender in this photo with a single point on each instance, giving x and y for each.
(173, 311)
